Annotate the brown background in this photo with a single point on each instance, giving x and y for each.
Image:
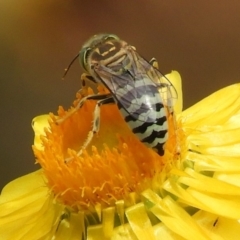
(200, 39)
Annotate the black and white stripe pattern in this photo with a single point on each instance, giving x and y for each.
(153, 135)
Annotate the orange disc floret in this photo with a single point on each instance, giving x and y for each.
(115, 164)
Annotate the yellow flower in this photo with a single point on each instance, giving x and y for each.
(120, 189)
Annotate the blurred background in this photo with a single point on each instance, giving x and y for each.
(38, 39)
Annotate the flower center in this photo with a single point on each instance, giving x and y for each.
(115, 164)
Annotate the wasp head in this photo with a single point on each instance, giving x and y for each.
(98, 49)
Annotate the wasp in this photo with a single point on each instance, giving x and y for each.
(143, 95)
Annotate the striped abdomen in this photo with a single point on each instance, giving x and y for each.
(152, 134)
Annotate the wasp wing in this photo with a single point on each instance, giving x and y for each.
(137, 86)
(166, 89)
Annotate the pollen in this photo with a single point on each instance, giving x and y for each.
(115, 166)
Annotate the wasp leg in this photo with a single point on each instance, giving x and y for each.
(85, 80)
(86, 76)
(80, 104)
(96, 123)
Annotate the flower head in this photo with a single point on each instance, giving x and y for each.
(116, 166)
(120, 189)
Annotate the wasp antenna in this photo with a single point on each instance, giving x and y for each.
(67, 69)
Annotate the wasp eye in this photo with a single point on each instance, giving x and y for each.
(111, 36)
(84, 53)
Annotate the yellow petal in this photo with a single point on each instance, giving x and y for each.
(174, 217)
(221, 204)
(39, 124)
(218, 227)
(27, 210)
(70, 227)
(208, 184)
(139, 222)
(214, 109)
(176, 81)
(229, 177)
(21, 186)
